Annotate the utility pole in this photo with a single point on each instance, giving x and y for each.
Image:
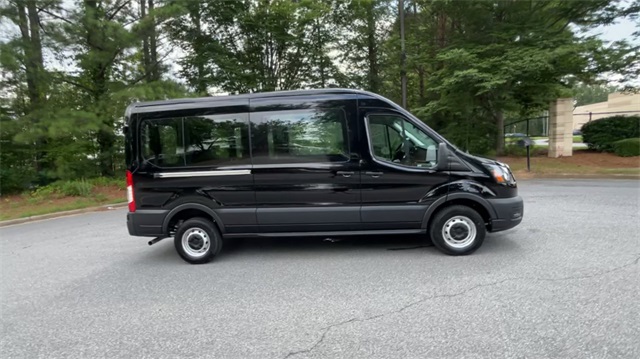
(403, 55)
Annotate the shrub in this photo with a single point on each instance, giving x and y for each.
(75, 188)
(627, 148)
(80, 188)
(47, 191)
(601, 134)
(119, 182)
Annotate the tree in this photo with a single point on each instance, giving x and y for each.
(364, 25)
(587, 94)
(493, 58)
(255, 45)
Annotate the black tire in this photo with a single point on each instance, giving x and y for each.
(198, 232)
(458, 238)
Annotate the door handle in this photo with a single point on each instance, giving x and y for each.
(345, 173)
(374, 174)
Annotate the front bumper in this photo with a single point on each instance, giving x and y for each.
(509, 213)
(146, 223)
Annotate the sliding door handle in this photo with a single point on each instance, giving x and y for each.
(345, 173)
(374, 174)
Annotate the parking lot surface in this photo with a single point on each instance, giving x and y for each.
(565, 283)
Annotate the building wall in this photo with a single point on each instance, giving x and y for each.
(616, 102)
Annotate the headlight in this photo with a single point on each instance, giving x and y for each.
(501, 174)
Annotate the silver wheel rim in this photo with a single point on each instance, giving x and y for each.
(459, 232)
(196, 242)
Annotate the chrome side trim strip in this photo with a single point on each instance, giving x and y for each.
(202, 173)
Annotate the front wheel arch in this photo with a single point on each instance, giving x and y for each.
(477, 203)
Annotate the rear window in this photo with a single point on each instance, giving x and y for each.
(202, 141)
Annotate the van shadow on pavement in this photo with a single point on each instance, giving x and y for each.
(498, 243)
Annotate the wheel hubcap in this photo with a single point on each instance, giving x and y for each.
(459, 232)
(196, 242)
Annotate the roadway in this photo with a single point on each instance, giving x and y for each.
(565, 283)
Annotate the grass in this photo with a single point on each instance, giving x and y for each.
(582, 163)
(46, 208)
(62, 196)
(576, 139)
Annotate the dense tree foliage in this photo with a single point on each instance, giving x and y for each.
(69, 68)
(587, 94)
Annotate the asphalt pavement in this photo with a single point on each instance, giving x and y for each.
(564, 284)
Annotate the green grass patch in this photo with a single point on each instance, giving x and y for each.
(620, 171)
(52, 206)
(63, 196)
(550, 166)
(576, 139)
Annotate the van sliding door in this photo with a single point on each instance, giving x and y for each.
(306, 171)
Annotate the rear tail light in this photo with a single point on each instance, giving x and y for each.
(130, 199)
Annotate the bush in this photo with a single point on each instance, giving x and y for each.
(80, 188)
(627, 148)
(119, 182)
(75, 188)
(601, 134)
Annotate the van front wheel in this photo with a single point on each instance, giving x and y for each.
(457, 230)
(197, 240)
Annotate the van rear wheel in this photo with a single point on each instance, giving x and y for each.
(197, 240)
(457, 230)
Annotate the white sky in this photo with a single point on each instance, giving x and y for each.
(618, 31)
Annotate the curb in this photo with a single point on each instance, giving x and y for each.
(105, 207)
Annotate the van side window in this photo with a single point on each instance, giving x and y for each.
(201, 141)
(216, 140)
(394, 139)
(298, 136)
(162, 143)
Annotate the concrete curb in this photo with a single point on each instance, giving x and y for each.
(105, 207)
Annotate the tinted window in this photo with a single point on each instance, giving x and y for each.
(216, 140)
(317, 135)
(196, 141)
(162, 143)
(394, 139)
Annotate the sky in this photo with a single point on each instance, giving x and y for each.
(618, 31)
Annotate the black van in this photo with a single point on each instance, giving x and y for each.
(328, 162)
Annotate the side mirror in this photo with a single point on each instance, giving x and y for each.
(443, 157)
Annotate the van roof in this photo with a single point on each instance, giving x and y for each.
(184, 101)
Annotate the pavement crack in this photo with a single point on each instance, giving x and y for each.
(311, 348)
(328, 328)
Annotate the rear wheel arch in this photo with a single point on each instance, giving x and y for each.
(186, 211)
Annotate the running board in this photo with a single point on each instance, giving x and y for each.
(325, 234)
